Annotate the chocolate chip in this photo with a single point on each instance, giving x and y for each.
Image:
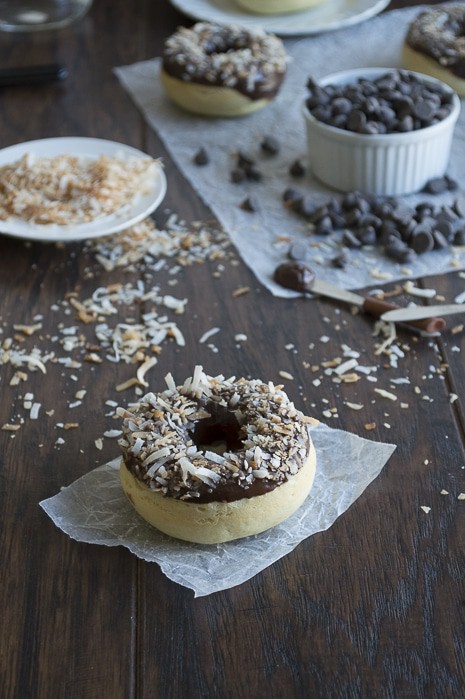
(201, 157)
(244, 161)
(452, 185)
(459, 207)
(400, 252)
(250, 204)
(440, 240)
(459, 237)
(422, 240)
(297, 169)
(270, 145)
(291, 197)
(340, 261)
(437, 185)
(350, 240)
(294, 275)
(254, 174)
(238, 175)
(445, 228)
(324, 226)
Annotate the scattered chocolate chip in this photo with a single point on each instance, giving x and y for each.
(340, 261)
(297, 169)
(238, 175)
(294, 275)
(270, 145)
(437, 185)
(250, 204)
(459, 238)
(201, 157)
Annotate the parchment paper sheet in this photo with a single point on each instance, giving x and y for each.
(376, 42)
(95, 510)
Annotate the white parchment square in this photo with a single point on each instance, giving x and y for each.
(95, 510)
(375, 43)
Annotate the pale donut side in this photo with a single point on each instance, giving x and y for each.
(421, 63)
(277, 7)
(218, 522)
(209, 100)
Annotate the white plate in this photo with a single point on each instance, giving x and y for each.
(141, 207)
(332, 14)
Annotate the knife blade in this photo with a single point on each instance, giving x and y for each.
(420, 312)
(375, 307)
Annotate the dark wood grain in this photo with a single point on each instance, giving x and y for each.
(373, 607)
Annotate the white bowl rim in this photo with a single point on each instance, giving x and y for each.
(373, 139)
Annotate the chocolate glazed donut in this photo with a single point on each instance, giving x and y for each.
(216, 459)
(222, 71)
(435, 45)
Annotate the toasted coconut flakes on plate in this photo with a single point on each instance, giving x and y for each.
(99, 443)
(286, 375)
(461, 496)
(443, 492)
(425, 508)
(354, 406)
(8, 427)
(370, 426)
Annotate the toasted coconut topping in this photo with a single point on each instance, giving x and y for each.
(229, 56)
(67, 190)
(271, 442)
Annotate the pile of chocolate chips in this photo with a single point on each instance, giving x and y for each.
(401, 230)
(397, 101)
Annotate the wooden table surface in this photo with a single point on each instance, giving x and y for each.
(373, 607)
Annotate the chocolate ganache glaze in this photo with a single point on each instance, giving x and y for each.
(251, 62)
(237, 439)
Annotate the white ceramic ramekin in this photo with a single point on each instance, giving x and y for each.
(387, 164)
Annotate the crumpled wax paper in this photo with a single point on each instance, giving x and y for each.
(95, 510)
(375, 43)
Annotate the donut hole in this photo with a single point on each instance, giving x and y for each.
(219, 433)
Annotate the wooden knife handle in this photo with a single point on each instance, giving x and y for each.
(376, 307)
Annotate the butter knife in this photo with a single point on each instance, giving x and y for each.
(410, 313)
(377, 307)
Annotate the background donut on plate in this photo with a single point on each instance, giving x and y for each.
(216, 459)
(278, 7)
(435, 45)
(222, 70)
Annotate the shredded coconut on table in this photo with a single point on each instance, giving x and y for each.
(68, 190)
